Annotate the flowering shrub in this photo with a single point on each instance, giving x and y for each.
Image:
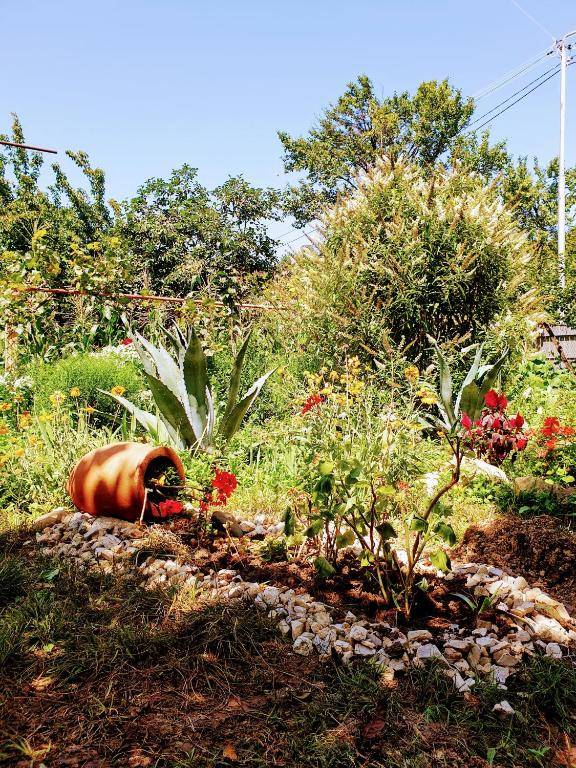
(554, 435)
(222, 487)
(494, 436)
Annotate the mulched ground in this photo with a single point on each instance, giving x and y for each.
(129, 680)
(541, 549)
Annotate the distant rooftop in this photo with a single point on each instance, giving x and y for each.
(567, 339)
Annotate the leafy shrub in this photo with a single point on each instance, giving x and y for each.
(405, 255)
(90, 374)
(35, 462)
(362, 479)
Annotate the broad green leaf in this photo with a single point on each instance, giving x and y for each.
(386, 530)
(323, 567)
(446, 532)
(491, 376)
(471, 376)
(314, 528)
(445, 383)
(471, 402)
(230, 425)
(418, 524)
(440, 560)
(345, 539)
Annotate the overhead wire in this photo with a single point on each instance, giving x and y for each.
(554, 69)
(511, 75)
(477, 128)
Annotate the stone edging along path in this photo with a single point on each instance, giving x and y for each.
(540, 623)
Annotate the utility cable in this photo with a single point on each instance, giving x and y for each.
(511, 75)
(554, 69)
(516, 102)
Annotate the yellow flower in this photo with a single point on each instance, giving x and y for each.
(88, 409)
(3, 459)
(118, 391)
(356, 387)
(33, 440)
(24, 420)
(19, 452)
(333, 376)
(57, 398)
(427, 397)
(45, 417)
(5, 406)
(75, 392)
(412, 374)
(4, 429)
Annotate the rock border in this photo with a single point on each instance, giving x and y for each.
(541, 623)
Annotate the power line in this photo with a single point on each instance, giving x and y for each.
(27, 146)
(533, 20)
(510, 75)
(555, 68)
(516, 102)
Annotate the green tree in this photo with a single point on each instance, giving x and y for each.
(58, 237)
(360, 128)
(184, 236)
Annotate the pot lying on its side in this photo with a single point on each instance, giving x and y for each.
(110, 481)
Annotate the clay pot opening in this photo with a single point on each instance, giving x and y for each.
(111, 481)
(159, 466)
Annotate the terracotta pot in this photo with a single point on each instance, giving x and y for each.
(110, 481)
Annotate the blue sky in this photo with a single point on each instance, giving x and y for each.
(146, 86)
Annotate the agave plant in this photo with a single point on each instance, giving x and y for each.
(479, 380)
(181, 389)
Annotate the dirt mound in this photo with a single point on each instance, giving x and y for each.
(541, 549)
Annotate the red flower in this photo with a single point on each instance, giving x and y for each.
(466, 421)
(225, 483)
(550, 427)
(126, 341)
(311, 402)
(491, 398)
(170, 507)
(518, 421)
(494, 400)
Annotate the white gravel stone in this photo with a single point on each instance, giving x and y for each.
(303, 646)
(358, 633)
(503, 709)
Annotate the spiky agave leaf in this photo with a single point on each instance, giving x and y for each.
(198, 392)
(154, 425)
(235, 375)
(231, 423)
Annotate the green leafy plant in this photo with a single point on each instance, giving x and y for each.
(183, 395)
(358, 491)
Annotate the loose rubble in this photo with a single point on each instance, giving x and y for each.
(537, 622)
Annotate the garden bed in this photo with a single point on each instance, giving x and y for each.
(540, 548)
(166, 677)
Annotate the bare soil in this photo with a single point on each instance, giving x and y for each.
(541, 549)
